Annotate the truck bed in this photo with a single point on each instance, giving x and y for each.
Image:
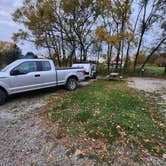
(67, 68)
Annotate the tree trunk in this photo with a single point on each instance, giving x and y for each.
(138, 50)
(129, 42)
(58, 57)
(81, 54)
(127, 56)
(121, 62)
(62, 41)
(48, 47)
(142, 34)
(108, 58)
(85, 56)
(118, 55)
(84, 53)
(71, 57)
(110, 55)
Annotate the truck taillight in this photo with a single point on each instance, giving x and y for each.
(84, 72)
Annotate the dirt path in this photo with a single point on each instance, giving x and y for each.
(24, 138)
(151, 85)
(155, 90)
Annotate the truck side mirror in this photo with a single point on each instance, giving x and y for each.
(15, 72)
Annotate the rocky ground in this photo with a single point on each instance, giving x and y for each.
(26, 138)
(154, 88)
(148, 84)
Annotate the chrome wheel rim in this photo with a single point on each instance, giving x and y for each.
(72, 84)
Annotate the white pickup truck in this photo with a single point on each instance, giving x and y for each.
(32, 74)
(90, 68)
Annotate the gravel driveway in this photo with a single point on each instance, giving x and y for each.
(152, 85)
(25, 139)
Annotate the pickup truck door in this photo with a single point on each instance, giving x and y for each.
(61, 76)
(47, 74)
(24, 77)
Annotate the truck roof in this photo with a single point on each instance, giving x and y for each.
(23, 60)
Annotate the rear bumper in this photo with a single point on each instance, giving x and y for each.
(82, 78)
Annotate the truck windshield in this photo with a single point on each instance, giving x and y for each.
(7, 67)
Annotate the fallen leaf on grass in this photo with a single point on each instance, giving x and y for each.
(49, 115)
(122, 131)
(78, 152)
(146, 140)
(99, 146)
(88, 163)
(153, 111)
(164, 155)
(19, 164)
(97, 112)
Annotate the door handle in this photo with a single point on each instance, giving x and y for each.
(37, 75)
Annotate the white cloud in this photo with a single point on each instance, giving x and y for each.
(10, 4)
(8, 26)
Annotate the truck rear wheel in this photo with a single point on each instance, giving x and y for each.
(3, 97)
(71, 84)
(94, 76)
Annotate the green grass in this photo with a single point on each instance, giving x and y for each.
(154, 71)
(103, 110)
(150, 71)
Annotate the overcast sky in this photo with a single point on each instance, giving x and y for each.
(8, 27)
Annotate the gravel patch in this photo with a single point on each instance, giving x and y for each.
(25, 138)
(151, 86)
(22, 135)
(147, 84)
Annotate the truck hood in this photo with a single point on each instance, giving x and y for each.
(3, 75)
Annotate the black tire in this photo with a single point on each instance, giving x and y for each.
(71, 84)
(94, 76)
(87, 78)
(3, 97)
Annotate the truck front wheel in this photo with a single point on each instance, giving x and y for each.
(3, 97)
(71, 84)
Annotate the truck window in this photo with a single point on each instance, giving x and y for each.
(26, 67)
(44, 66)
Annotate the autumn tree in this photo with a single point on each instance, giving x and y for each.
(152, 12)
(9, 52)
(121, 13)
(60, 26)
(115, 27)
(141, 58)
(161, 41)
(37, 17)
(104, 32)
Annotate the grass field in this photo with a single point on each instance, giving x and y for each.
(149, 71)
(154, 71)
(110, 111)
